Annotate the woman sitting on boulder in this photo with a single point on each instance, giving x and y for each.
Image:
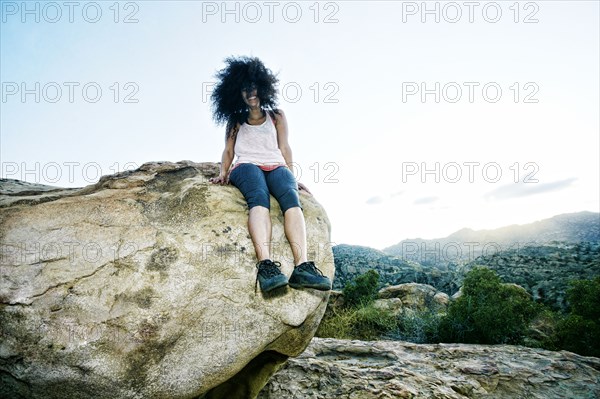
(256, 132)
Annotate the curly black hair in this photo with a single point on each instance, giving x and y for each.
(242, 72)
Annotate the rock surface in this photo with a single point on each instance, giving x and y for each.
(400, 298)
(142, 285)
(416, 296)
(332, 368)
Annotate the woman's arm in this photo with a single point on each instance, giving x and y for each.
(284, 145)
(226, 160)
(282, 138)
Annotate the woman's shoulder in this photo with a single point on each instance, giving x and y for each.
(277, 114)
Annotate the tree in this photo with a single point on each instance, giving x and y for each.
(362, 290)
(488, 312)
(579, 331)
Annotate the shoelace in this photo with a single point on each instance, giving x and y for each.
(310, 266)
(267, 268)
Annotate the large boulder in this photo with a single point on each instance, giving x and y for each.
(332, 368)
(143, 285)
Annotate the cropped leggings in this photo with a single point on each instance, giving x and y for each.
(256, 186)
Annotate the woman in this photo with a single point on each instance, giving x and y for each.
(245, 98)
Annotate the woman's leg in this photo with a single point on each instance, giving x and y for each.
(250, 180)
(282, 184)
(259, 226)
(306, 274)
(295, 231)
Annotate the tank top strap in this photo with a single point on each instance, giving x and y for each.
(268, 112)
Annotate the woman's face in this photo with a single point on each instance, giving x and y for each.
(250, 96)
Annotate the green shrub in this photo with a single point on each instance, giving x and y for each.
(362, 290)
(358, 319)
(579, 331)
(359, 322)
(371, 322)
(583, 297)
(579, 335)
(542, 329)
(418, 326)
(488, 312)
(338, 323)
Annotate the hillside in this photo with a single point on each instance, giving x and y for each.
(542, 257)
(544, 271)
(465, 245)
(353, 260)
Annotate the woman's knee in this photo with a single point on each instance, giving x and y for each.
(258, 197)
(288, 199)
(282, 184)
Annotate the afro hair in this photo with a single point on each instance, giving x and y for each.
(241, 72)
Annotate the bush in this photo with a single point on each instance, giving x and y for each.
(579, 331)
(337, 323)
(362, 290)
(420, 327)
(542, 330)
(583, 297)
(371, 322)
(358, 319)
(488, 312)
(360, 322)
(579, 335)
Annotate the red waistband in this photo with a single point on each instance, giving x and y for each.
(266, 168)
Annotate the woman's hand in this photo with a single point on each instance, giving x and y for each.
(303, 188)
(219, 179)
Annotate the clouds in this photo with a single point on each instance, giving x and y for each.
(503, 192)
(380, 199)
(517, 190)
(375, 200)
(426, 200)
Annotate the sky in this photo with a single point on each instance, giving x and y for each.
(406, 119)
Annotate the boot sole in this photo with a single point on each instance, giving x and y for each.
(314, 286)
(282, 284)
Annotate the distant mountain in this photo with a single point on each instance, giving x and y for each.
(353, 260)
(542, 257)
(466, 244)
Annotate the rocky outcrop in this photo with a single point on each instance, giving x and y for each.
(353, 260)
(142, 285)
(332, 368)
(399, 299)
(413, 296)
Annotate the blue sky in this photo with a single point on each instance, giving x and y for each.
(385, 162)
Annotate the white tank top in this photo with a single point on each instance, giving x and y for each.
(257, 144)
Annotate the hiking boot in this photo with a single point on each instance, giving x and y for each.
(269, 275)
(307, 275)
